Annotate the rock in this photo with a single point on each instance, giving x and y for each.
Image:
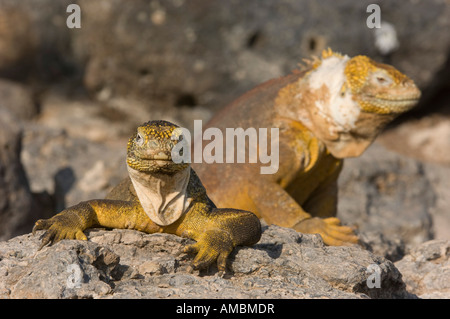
(131, 264)
(70, 168)
(390, 247)
(389, 198)
(439, 177)
(38, 49)
(17, 41)
(426, 270)
(18, 99)
(426, 139)
(75, 264)
(17, 210)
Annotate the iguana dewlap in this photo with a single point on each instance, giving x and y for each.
(159, 196)
(332, 109)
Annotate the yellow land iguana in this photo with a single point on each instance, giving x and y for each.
(331, 109)
(159, 196)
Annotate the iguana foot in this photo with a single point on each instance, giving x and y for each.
(212, 245)
(58, 227)
(331, 230)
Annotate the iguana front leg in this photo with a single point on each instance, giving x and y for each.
(71, 222)
(217, 233)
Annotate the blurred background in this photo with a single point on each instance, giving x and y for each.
(70, 98)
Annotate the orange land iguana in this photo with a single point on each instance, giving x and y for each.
(331, 109)
(159, 196)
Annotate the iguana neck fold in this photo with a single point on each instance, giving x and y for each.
(163, 197)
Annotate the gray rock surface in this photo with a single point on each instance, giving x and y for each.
(36, 50)
(426, 270)
(131, 264)
(17, 99)
(440, 181)
(17, 212)
(428, 140)
(71, 169)
(389, 198)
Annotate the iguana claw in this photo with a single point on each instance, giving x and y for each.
(331, 230)
(57, 228)
(212, 246)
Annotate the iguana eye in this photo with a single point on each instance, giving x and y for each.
(139, 139)
(382, 79)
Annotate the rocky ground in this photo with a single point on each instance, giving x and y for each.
(71, 98)
(284, 264)
(130, 264)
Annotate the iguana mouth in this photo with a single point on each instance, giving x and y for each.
(161, 156)
(396, 102)
(149, 162)
(395, 105)
(157, 161)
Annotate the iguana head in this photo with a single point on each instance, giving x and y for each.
(150, 148)
(350, 100)
(379, 88)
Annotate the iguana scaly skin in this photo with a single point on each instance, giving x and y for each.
(331, 109)
(159, 196)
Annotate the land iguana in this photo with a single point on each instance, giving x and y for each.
(330, 109)
(159, 196)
